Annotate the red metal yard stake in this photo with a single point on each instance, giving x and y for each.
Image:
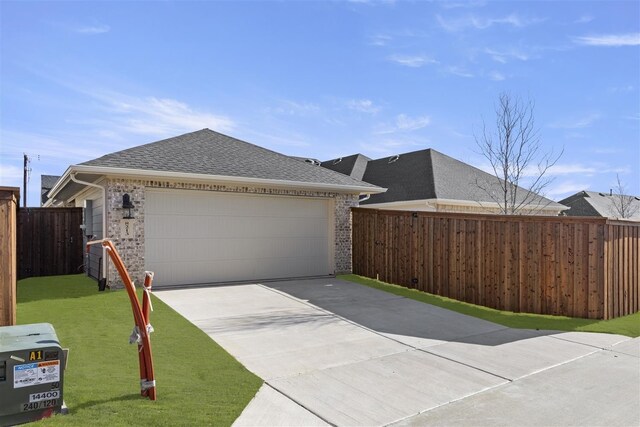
(141, 318)
(146, 307)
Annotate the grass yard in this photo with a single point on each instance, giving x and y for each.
(627, 325)
(198, 383)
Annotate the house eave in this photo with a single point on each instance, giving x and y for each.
(195, 177)
(433, 203)
(534, 206)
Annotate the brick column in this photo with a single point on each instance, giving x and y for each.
(131, 249)
(343, 224)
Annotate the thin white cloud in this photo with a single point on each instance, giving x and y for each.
(562, 189)
(504, 56)
(576, 122)
(563, 169)
(54, 147)
(497, 76)
(610, 40)
(159, 116)
(92, 29)
(584, 19)
(119, 113)
(458, 71)
(380, 40)
(284, 138)
(482, 23)
(606, 150)
(391, 146)
(621, 89)
(363, 105)
(295, 108)
(581, 169)
(413, 61)
(406, 123)
(462, 5)
(403, 123)
(373, 2)
(10, 175)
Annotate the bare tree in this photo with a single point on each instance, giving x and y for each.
(622, 205)
(514, 153)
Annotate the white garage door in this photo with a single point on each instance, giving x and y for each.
(194, 237)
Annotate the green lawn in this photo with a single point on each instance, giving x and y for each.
(627, 325)
(198, 383)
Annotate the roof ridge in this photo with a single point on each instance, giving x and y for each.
(210, 152)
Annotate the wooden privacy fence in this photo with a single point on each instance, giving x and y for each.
(49, 241)
(9, 199)
(578, 267)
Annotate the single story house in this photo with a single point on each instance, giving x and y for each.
(593, 203)
(427, 180)
(205, 207)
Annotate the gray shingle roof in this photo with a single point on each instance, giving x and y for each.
(46, 183)
(211, 153)
(592, 203)
(354, 165)
(429, 174)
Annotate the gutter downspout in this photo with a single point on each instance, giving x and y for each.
(365, 198)
(104, 217)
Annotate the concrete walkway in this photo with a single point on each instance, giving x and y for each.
(338, 353)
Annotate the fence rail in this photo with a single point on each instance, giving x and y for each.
(579, 267)
(49, 241)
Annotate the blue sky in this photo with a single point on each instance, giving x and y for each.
(320, 79)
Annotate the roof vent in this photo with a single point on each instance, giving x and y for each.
(313, 162)
(602, 194)
(336, 161)
(394, 158)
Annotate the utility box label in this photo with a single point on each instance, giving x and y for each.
(36, 373)
(45, 395)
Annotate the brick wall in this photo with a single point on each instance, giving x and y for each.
(132, 249)
(343, 224)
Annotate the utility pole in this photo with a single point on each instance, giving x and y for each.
(24, 181)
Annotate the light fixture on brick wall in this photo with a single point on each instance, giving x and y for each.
(127, 205)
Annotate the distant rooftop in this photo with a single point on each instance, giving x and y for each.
(593, 203)
(46, 183)
(426, 174)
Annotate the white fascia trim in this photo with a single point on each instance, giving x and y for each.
(457, 202)
(138, 173)
(426, 202)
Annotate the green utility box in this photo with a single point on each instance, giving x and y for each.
(31, 373)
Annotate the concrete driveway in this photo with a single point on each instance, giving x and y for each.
(337, 353)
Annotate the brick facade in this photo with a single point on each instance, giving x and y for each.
(132, 249)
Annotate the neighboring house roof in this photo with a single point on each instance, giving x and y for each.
(429, 174)
(592, 203)
(46, 183)
(307, 160)
(210, 155)
(354, 165)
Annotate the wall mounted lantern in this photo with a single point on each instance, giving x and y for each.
(127, 204)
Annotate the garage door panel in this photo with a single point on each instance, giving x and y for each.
(168, 250)
(206, 237)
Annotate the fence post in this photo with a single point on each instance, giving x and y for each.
(9, 197)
